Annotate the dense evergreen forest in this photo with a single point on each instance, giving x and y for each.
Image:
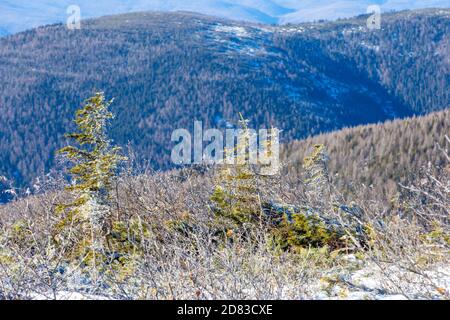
(378, 156)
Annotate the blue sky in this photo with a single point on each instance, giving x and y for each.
(18, 15)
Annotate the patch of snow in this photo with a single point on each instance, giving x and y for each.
(292, 29)
(369, 46)
(235, 30)
(247, 41)
(354, 29)
(389, 282)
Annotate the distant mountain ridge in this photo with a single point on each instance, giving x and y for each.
(19, 15)
(168, 69)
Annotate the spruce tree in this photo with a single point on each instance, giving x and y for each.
(317, 180)
(95, 162)
(236, 197)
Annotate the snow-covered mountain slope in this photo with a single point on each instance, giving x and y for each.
(18, 15)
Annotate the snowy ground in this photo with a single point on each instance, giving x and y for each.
(387, 282)
(364, 282)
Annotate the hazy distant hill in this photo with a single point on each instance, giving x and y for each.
(165, 70)
(19, 15)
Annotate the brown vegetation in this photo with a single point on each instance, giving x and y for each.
(379, 157)
(169, 219)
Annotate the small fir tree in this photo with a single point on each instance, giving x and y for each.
(95, 163)
(236, 197)
(317, 178)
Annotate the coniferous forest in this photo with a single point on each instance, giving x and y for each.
(166, 69)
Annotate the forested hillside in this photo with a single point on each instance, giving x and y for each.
(165, 70)
(378, 156)
(409, 57)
